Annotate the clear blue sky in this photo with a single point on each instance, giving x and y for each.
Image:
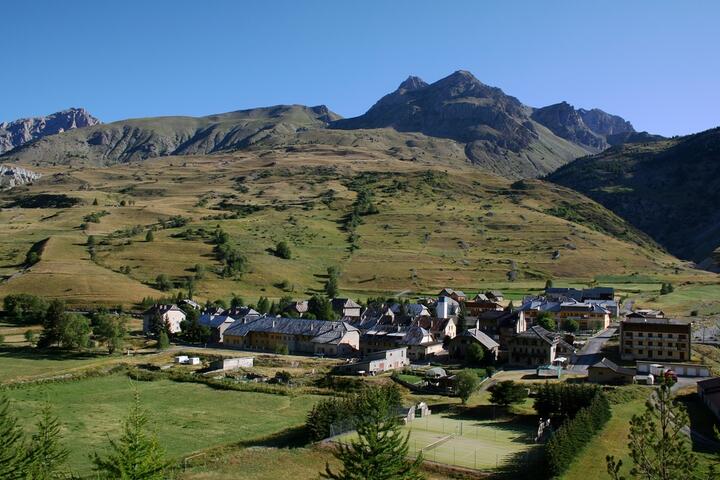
(655, 62)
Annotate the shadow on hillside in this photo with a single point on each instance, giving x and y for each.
(29, 353)
(528, 465)
(293, 437)
(701, 422)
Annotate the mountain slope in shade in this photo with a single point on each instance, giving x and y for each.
(138, 139)
(19, 132)
(670, 189)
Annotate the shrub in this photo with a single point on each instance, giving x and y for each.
(282, 250)
(163, 282)
(507, 393)
(571, 325)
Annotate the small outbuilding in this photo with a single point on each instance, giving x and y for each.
(608, 372)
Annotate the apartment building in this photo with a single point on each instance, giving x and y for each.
(655, 339)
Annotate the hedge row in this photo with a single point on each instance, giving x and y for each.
(570, 439)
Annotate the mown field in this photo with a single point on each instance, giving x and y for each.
(186, 416)
(436, 226)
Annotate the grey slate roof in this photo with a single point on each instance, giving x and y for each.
(481, 337)
(605, 363)
(321, 331)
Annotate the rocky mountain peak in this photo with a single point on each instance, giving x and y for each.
(16, 133)
(412, 83)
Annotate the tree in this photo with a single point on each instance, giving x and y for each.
(163, 282)
(381, 448)
(52, 324)
(46, 455)
(111, 330)
(137, 455)
(282, 250)
(466, 382)
(163, 341)
(149, 236)
(546, 321)
(95, 202)
(548, 283)
(474, 354)
(659, 447)
(74, 331)
(331, 287)
(263, 305)
(30, 337)
(507, 393)
(236, 301)
(24, 308)
(321, 308)
(193, 331)
(571, 325)
(13, 457)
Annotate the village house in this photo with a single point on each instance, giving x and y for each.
(410, 311)
(298, 335)
(446, 307)
(379, 362)
(709, 391)
(655, 339)
(609, 373)
(219, 323)
(346, 308)
(502, 326)
(537, 346)
(421, 344)
(495, 296)
(375, 315)
(171, 315)
(456, 295)
(476, 307)
(459, 345)
(588, 315)
(440, 327)
(646, 313)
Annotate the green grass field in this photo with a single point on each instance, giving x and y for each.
(187, 416)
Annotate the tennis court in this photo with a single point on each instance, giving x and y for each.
(477, 444)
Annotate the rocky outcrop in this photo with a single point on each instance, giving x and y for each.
(593, 129)
(13, 176)
(21, 131)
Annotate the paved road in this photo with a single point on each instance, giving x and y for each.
(590, 353)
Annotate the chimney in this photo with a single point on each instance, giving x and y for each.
(273, 324)
(477, 324)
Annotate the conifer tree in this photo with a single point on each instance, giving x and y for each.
(137, 455)
(47, 456)
(380, 452)
(13, 458)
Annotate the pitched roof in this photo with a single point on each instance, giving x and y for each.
(339, 303)
(321, 331)
(537, 331)
(606, 363)
(162, 309)
(481, 337)
(214, 321)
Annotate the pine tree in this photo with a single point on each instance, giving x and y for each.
(149, 236)
(380, 452)
(13, 458)
(137, 455)
(163, 341)
(46, 454)
(658, 446)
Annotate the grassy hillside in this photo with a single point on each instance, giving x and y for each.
(440, 222)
